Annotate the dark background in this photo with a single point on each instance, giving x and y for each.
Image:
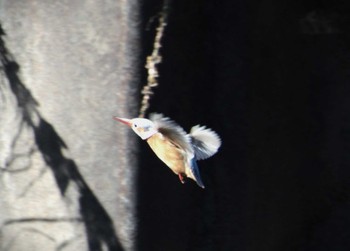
(272, 78)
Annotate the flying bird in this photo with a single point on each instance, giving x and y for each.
(177, 149)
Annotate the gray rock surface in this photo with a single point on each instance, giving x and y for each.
(67, 176)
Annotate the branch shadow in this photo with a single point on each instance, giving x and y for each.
(99, 227)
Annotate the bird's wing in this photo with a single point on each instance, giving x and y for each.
(173, 132)
(205, 142)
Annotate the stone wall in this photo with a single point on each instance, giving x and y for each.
(66, 178)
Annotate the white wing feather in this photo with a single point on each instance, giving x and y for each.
(205, 142)
(202, 142)
(173, 131)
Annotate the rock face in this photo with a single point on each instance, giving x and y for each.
(66, 178)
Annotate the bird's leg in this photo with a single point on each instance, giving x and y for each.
(182, 178)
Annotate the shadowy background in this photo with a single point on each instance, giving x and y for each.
(272, 78)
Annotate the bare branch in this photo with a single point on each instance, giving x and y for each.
(153, 60)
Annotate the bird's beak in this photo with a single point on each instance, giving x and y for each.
(124, 121)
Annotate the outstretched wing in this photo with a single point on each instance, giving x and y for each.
(205, 142)
(173, 132)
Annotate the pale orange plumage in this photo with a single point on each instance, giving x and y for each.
(178, 150)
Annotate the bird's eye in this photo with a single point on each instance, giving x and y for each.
(135, 125)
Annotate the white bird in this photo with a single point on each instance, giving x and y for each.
(177, 149)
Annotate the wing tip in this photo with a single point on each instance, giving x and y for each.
(206, 142)
(197, 129)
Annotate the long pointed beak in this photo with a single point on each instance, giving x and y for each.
(124, 121)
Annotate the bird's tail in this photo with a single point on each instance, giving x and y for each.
(195, 173)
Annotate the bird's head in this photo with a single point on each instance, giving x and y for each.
(145, 128)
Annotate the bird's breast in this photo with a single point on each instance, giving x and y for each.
(171, 154)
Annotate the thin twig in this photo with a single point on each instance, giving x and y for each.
(153, 60)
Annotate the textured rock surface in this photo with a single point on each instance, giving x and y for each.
(66, 178)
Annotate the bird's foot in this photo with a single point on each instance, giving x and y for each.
(182, 178)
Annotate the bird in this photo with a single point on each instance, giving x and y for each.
(177, 149)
